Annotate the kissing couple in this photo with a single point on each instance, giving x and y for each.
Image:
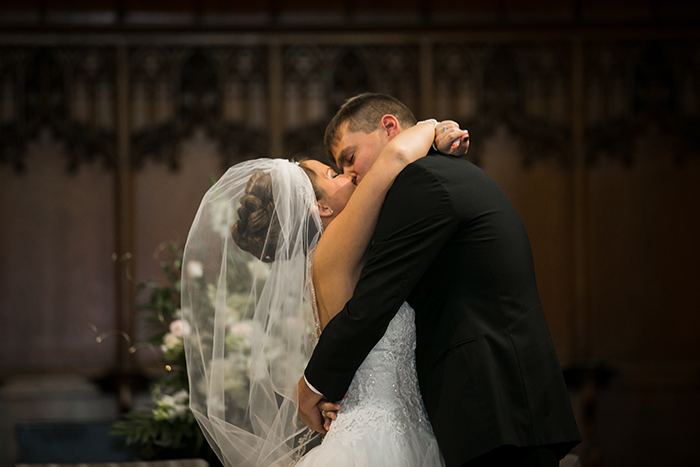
(391, 307)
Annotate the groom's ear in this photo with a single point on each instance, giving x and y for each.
(390, 126)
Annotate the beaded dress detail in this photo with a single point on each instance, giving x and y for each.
(383, 419)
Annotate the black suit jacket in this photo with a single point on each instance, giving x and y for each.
(450, 243)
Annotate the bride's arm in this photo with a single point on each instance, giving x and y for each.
(338, 257)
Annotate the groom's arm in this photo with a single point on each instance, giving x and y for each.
(416, 221)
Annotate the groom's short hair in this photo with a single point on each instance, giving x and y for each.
(363, 113)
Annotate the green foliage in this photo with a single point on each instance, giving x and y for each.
(153, 435)
(163, 304)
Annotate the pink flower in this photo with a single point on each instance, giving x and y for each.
(243, 329)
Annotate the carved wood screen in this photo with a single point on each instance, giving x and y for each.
(272, 97)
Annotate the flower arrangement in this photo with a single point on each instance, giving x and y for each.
(169, 428)
(234, 362)
(169, 425)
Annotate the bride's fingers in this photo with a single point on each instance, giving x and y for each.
(329, 414)
(328, 418)
(447, 125)
(452, 141)
(456, 137)
(460, 146)
(461, 137)
(328, 406)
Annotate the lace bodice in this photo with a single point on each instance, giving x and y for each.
(384, 393)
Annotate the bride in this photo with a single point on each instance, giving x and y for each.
(259, 284)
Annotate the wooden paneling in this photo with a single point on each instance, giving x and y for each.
(644, 256)
(56, 278)
(592, 134)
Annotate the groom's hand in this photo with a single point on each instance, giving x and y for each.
(308, 409)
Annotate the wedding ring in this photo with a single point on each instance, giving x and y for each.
(444, 128)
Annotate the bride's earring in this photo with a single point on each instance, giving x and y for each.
(324, 211)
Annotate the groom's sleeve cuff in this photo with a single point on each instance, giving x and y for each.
(311, 387)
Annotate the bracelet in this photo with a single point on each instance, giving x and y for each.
(435, 124)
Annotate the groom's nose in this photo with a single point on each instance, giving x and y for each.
(349, 170)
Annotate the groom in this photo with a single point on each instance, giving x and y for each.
(449, 243)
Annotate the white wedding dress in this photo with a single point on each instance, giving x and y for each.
(383, 421)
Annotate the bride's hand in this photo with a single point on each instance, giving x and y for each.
(450, 139)
(328, 412)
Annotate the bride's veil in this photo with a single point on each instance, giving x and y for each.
(249, 326)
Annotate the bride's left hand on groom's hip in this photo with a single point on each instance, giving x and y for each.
(328, 412)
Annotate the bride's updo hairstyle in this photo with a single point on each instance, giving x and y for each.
(257, 229)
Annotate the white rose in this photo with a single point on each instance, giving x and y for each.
(167, 400)
(195, 269)
(180, 411)
(222, 217)
(181, 397)
(170, 340)
(259, 270)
